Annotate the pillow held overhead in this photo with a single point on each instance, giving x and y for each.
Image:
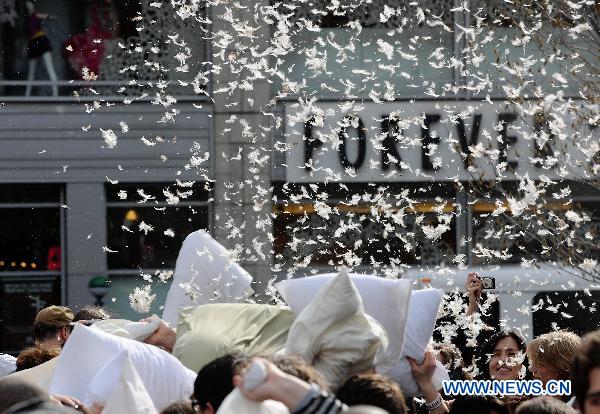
(205, 270)
(386, 300)
(333, 334)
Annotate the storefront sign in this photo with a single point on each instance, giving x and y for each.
(426, 141)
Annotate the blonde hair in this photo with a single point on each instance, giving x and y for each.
(556, 350)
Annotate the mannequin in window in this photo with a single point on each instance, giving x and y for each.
(39, 47)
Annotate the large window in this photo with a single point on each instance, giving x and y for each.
(31, 260)
(98, 47)
(146, 226)
(563, 310)
(364, 227)
(352, 50)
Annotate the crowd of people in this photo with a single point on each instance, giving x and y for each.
(295, 385)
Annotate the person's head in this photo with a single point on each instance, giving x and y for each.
(52, 326)
(585, 374)
(214, 382)
(551, 355)
(88, 313)
(475, 404)
(179, 407)
(29, 6)
(502, 356)
(296, 366)
(544, 405)
(375, 390)
(36, 355)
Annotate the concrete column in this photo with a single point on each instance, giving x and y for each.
(85, 237)
(242, 139)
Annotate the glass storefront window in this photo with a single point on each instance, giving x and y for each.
(31, 262)
(31, 239)
(364, 226)
(560, 310)
(506, 36)
(342, 55)
(120, 44)
(504, 239)
(146, 226)
(142, 238)
(147, 223)
(354, 236)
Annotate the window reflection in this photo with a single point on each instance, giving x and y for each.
(104, 40)
(150, 237)
(30, 239)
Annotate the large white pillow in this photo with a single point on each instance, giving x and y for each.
(129, 394)
(386, 300)
(88, 350)
(422, 314)
(204, 268)
(236, 403)
(333, 333)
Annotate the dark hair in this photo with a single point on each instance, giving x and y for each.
(373, 389)
(586, 360)
(544, 405)
(91, 312)
(36, 355)
(488, 347)
(179, 407)
(296, 366)
(42, 332)
(215, 381)
(476, 404)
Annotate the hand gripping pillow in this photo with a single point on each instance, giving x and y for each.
(236, 403)
(210, 331)
(119, 388)
(205, 270)
(333, 333)
(88, 350)
(386, 300)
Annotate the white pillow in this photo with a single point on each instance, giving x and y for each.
(422, 314)
(205, 269)
(88, 350)
(333, 333)
(129, 394)
(386, 300)
(8, 364)
(236, 403)
(124, 328)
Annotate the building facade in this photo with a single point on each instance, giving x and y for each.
(149, 125)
